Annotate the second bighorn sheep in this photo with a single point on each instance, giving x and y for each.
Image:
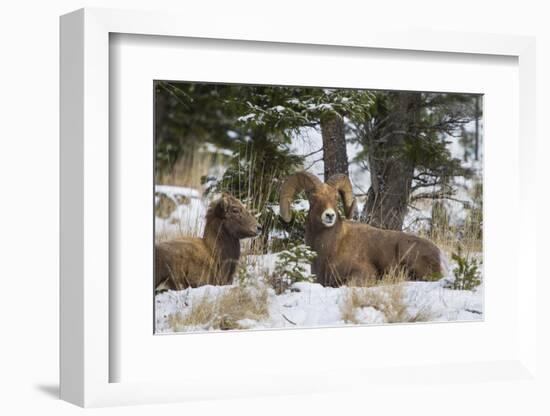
(351, 251)
(212, 259)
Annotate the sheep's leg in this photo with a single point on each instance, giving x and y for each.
(321, 272)
(335, 275)
(363, 275)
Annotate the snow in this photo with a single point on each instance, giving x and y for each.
(188, 217)
(174, 191)
(320, 107)
(312, 305)
(211, 148)
(279, 108)
(247, 117)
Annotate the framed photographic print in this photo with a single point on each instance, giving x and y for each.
(239, 210)
(351, 206)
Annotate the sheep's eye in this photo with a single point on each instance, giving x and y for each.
(235, 210)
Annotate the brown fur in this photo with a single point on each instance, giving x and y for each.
(212, 259)
(350, 250)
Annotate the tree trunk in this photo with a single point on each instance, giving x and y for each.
(391, 169)
(334, 145)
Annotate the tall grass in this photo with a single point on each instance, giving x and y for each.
(445, 233)
(224, 311)
(190, 168)
(386, 295)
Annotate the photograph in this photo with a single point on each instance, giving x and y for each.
(284, 207)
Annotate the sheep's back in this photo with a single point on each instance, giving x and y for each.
(362, 242)
(384, 249)
(182, 262)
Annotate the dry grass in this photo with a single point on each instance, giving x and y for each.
(185, 225)
(450, 237)
(191, 167)
(447, 240)
(386, 295)
(223, 312)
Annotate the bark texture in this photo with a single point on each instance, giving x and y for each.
(391, 170)
(334, 145)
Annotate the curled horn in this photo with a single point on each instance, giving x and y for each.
(294, 184)
(342, 183)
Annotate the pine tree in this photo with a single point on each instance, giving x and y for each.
(403, 137)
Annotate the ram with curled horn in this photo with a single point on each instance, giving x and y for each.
(348, 250)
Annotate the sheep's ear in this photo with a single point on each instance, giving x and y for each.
(222, 206)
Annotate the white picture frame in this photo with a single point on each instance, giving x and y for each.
(86, 305)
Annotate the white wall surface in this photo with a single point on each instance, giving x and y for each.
(29, 205)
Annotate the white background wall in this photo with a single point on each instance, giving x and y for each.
(29, 205)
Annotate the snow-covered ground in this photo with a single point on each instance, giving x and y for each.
(312, 305)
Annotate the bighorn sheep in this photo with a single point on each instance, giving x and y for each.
(348, 250)
(212, 259)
